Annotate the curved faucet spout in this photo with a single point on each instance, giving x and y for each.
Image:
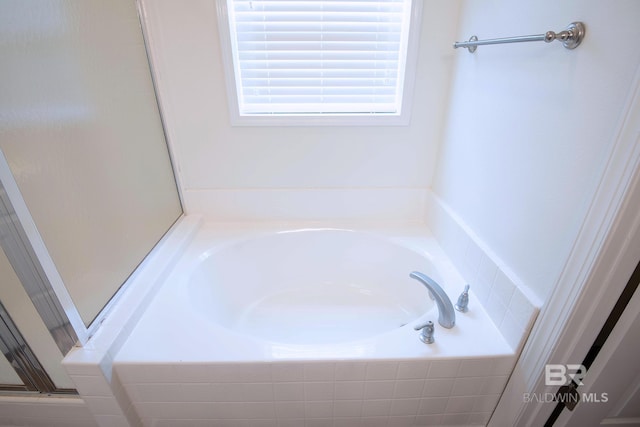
(446, 313)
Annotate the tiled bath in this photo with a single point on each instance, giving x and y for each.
(132, 373)
(343, 393)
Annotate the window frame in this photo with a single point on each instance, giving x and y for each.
(402, 118)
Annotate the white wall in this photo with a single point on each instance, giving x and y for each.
(236, 173)
(530, 127)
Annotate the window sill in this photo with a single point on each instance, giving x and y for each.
(321, 120)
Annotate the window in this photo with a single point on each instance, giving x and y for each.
(319, 61)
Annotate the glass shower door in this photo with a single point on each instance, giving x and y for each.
(83, 140)
(9, 380)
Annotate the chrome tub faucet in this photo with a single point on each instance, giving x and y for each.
(446, 313)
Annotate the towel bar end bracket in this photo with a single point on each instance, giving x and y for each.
(571, 37)
(473, 47)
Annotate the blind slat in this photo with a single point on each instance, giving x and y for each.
(320, 90)
(292, 65)
(355, 74)
(299, 83)
(288, 36)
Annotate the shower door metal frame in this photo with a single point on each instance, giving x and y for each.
(33, 265)
(23, 360)
(17, 232)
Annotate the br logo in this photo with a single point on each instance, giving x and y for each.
(564, 374)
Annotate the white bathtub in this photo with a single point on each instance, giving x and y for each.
(298, 326)
(311, 286)
(243, 293)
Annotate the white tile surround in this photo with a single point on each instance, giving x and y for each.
(43, 411)
(383, 392)
(308, 204)
(343, 393)
(512, 307)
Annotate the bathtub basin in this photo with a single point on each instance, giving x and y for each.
(311, 286)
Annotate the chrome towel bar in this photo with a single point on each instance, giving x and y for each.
(570, 37)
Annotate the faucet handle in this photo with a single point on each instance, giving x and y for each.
(426, 336)
(463, 300)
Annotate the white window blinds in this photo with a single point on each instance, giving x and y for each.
(318, 57)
